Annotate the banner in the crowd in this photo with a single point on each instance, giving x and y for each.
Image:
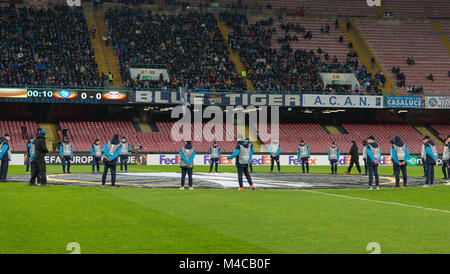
(441, 102)
(204, 159)
(342, 101)
(149, 74)
(79, 158)
(258, 160)
(403, 101)
(218, 98)
(348, 79)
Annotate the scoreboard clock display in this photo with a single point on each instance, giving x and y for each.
(68, 96)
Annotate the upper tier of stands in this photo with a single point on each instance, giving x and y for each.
(394, 42)
(189, 44)
(359, 8)
(40, 46)
(278, 56)
(323, 7)
(419, 8)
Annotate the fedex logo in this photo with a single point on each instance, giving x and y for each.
(294, 161)
(164, 160)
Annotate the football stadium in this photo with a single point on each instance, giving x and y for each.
(249, 127)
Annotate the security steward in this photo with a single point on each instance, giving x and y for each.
(373, 160)
(111, 150)
(333, 156)
(96, 152)
(423, 156)
(187, 156)
(446, 158)
(252, 149)
(124, 154)
(32, 156)
(400, 156)
(38, 165)
(274, 151)
(364, 155)
(243, 155)
(66, 153)
(431, 156)
(28, 160)
(5, 157)
(214, 154)
(303, 154)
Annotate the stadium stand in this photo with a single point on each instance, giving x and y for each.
(419, 8)
(14, 128)
(322, 7)
(190, 45)
(82, 134)
(291, 60)
(442, 129)
(394, 42)
(46, 46)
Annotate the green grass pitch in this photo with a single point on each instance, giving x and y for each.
(132, 220)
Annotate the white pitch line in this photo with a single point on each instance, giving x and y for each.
(377, 201)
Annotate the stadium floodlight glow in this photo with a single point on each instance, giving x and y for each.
(307, 111)
(402, 111)
(341, 110)
(326, 111)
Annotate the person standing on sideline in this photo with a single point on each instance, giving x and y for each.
(28, 160)
(354, 158)
(96, 152)
(333, 157)
(111, 150)
(364, 143)
(430, 160)
(446, 158)
(124, 154)
(400, 156)
(187, 156)
(38, 165)
(274, 151)
(373, 158)
(5, 157)
(303, 154)
(423, 156)
(390, 153)
(214, 156)
(243, 154)
(66, 152)
(252, 150)
(32, 156)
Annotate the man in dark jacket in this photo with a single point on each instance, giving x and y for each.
(354, 158)
(38, 162)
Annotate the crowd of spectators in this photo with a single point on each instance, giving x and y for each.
(189, 44)
(46, 46)
(284, 69)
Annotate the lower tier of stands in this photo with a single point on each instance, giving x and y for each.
(83, 133)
